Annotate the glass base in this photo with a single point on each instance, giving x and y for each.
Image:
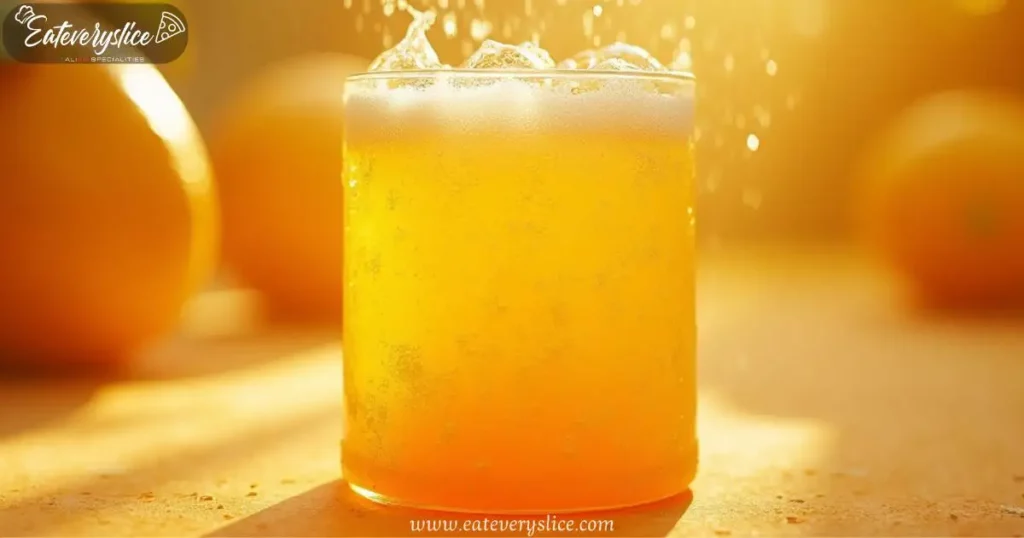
(391, 501)
(386, 500)
(581, 492)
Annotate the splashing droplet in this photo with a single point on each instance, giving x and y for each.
(450, 25)
(713, 178)
(682, 62)
(792, 100)
(764, 116)
(588, 24)
(753, 142)
(413, 51)
(479, 29)
(668, 31)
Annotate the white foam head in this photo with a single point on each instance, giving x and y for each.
(630, 105)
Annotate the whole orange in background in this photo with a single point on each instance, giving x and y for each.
(107, 211)
(943, 199)
(276, 148)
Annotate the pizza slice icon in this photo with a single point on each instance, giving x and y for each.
(170, 26)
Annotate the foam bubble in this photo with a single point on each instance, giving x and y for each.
(616, 56)
(542, 54)
(495, 55)
(616, 64)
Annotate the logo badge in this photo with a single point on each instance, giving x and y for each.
(95, 33)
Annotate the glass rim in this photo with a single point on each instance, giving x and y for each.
(679, 77)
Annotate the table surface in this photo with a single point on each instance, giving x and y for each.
(826, 410)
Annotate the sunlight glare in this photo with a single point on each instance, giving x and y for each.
(736, 443)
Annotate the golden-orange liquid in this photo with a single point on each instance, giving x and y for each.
(519, 328)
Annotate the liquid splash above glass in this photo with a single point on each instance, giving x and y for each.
(751, 59)
(414, 52)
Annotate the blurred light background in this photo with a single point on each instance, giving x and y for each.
(811, 81)
(839, 399)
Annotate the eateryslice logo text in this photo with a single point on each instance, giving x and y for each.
(42, 33)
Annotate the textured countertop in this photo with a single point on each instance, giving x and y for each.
(825, 411)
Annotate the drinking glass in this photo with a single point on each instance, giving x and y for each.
(519, 332)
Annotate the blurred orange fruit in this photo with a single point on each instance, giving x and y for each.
(277, 152)
(107, 217)
(944, 198)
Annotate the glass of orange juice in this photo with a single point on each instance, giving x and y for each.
(519, 329)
